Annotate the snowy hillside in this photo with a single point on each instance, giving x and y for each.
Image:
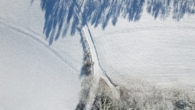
(34, 76)
(161, 51)
(45, 45)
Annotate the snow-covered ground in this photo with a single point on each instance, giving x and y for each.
(36, 76)
(154, 50)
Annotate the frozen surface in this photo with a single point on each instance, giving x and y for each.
(36, 76)
(154, 50)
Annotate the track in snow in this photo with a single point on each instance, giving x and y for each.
(33, 35)
(97, 70)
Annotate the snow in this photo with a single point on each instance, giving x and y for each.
(97, 71)
(153, 50)
(36, 76)
(32, 77)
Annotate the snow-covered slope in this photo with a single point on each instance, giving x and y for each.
(36, 76)
(154, 50)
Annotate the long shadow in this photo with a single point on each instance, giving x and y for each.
(58, 14)
(159, 8)
(182, 7)
(175, 8)
(62, 16)
(100, 12)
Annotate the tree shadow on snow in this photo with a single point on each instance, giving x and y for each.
(62, 16)
(164, 8)
(182, 7)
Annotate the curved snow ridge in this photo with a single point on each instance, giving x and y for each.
(33, 35)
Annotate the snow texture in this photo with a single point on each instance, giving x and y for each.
(130, 41)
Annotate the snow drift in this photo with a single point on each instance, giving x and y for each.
(142, 54)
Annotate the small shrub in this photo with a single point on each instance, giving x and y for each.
(102, 103)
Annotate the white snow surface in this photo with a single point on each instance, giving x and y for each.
(154, 50)
(36, 76)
